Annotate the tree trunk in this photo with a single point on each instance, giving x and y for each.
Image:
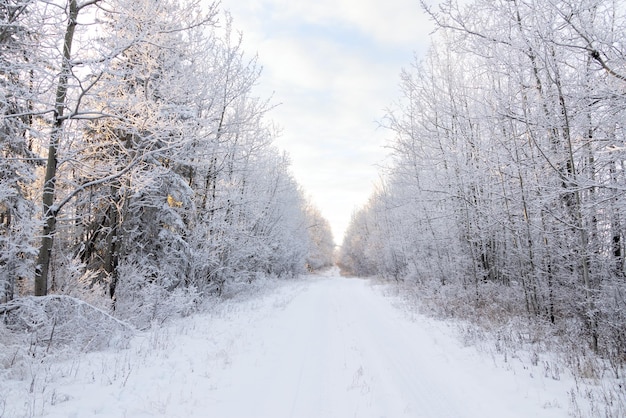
(49, 211)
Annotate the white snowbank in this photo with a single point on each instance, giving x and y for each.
(322, 347)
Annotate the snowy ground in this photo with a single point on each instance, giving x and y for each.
(321, 347)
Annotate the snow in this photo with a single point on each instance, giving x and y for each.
(321, 346)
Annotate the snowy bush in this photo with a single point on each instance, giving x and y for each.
(58, 321)
(72, 278)
(37, 330)
(142, 298)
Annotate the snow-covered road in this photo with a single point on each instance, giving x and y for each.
(324, 347)
(340, 349)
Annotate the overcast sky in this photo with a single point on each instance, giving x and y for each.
(333, 66)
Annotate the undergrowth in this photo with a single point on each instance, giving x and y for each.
(495, 325)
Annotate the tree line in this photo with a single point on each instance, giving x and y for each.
(136, 162)
(506, 182)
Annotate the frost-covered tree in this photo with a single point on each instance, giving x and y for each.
(321, 241)
(146, 98)
(159, 175)
(507, 164)
(19, 61)
(135, 126)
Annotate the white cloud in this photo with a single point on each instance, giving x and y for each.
(391, 21)
(287, 62)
